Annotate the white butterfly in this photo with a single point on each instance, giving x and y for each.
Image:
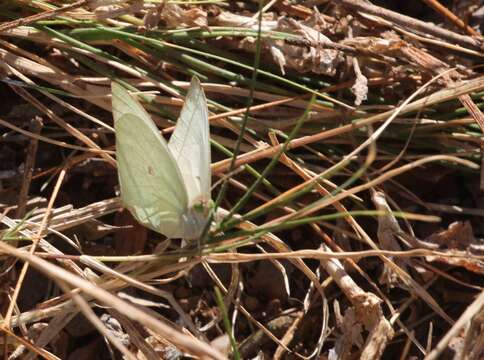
(165, 186)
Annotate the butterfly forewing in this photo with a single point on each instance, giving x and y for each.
(123, 103)
(190, 145)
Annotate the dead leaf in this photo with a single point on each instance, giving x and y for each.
(153, 16)
(177, 17)
(350, 334)
(306, 59)
(116, 10)
(317, 59)
(459, 235)
(461, 243)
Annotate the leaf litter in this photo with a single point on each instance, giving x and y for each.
(365, 239)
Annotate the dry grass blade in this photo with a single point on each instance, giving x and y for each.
(183, 341)
(40, 16)
(353, 243)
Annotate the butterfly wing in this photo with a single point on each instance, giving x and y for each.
(190, 145)
(151, 184)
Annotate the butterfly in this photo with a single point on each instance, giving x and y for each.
(165, 186)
